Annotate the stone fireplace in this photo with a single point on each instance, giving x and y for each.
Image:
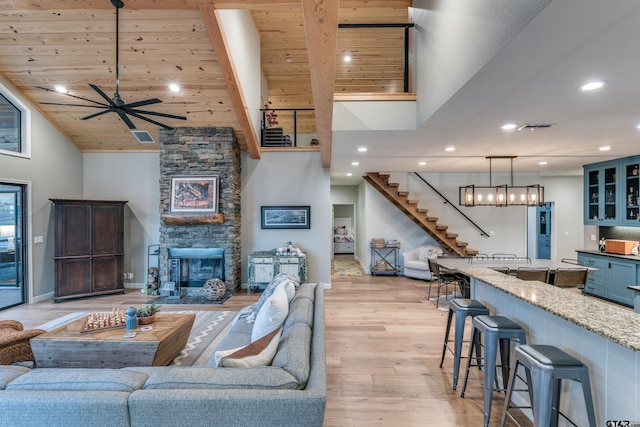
(201, 248)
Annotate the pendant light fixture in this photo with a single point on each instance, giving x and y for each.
(501, 195)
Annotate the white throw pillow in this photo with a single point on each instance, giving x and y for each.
(271, 315)
(258, 353)
(289, 289)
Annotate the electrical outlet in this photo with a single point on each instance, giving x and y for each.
(593, 237)
(129, 275)
(38, 239)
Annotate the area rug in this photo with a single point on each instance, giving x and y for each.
(209, 328)
(191, 299)
(346, 267)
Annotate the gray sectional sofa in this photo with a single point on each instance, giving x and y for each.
(290, 392)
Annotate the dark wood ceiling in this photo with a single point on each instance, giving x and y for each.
(47, 42)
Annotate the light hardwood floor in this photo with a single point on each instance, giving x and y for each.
(384, 340)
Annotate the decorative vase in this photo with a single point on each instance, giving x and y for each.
(146, 320)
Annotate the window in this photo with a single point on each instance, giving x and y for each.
(14, 125)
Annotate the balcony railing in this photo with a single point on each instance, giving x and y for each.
(288, 127)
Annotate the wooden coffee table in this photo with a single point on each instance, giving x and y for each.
(66, 347)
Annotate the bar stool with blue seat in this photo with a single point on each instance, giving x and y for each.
(546, 367)
(495, 331)
(462, 308)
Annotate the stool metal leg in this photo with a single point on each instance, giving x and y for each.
(490, 354)
(459, 334)
(543, 390)
(446, 338)
(588, 397)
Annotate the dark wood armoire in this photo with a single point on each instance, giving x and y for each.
(89, 248)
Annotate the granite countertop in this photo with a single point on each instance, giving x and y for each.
(607, 254)
(615, 323)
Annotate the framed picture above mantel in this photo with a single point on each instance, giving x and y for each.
(285, 217)
(194, 194)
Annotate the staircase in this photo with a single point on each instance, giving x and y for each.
(420, 216)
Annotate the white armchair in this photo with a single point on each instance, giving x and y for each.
(416, 264)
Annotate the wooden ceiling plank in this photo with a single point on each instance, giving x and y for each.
(218, 41)
(143, 4)
(321, 28)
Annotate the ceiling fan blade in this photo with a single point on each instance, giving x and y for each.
(76, 105)
(125, 119)
(142, 103)
(72, 96)
(134, 114)
(102, 94)
(91, 116)
(153, 113)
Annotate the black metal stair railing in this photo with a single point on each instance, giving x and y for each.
(446, 201)
(288, 127)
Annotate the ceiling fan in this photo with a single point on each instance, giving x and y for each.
(117, 104)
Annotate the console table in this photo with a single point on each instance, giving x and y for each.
(264, 266)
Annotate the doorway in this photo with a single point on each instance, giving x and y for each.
(12, 247)
(344, 242)
(543, 227)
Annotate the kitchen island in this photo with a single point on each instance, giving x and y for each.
(604, 336)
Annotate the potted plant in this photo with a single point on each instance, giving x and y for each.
(147, 313)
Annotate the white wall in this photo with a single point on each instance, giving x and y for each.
(374, 115)
(243, 42)
(288, 179)
(53, 171)
(134, 177)
(566, 192)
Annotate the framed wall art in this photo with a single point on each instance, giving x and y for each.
(194, 194)
(285, 217)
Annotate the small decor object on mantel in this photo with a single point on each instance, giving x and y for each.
(147, 314)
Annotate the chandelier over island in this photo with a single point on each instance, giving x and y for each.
(501, 195)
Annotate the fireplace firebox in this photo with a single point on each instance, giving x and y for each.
(192, 267)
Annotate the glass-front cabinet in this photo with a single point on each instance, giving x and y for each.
(631, 192)
(601, 194)
(612, 192)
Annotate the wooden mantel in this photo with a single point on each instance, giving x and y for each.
(191, 219)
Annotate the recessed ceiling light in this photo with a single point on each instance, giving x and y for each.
(422, 163)
(173, 87)
(593, 85)
(349, 174)
(638, 126)
(509, 126)
(542, 163)
(289, 59)
(347, 58)
(355, 163)
(363, 149)
(605, 148)
(450, 149)
(60, 88)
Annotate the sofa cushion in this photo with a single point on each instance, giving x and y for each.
(9, 373)
(306, 290)
(301, 311)
(79, 380)
(271, 315)
(257, 353)
(261, 377)
(294, 352)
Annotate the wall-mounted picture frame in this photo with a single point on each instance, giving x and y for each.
(195, 193)
(285, 217)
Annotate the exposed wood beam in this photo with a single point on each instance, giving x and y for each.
(321, 28)
(220, 46)
(144, 4)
